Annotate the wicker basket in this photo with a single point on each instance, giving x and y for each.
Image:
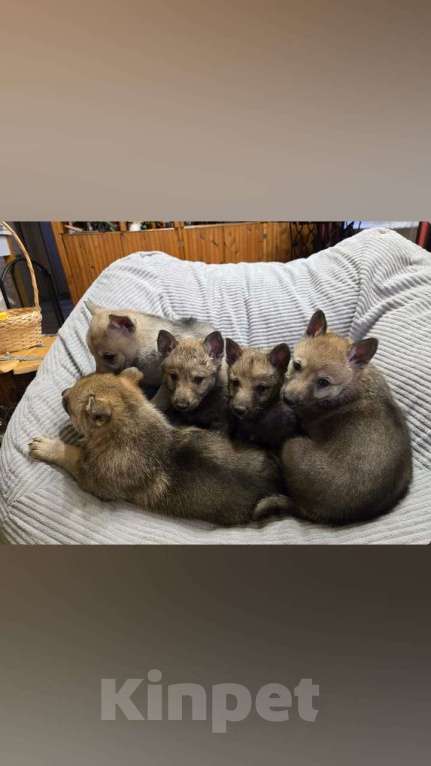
(21, 328)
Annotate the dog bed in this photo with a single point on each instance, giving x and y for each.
(375, 283)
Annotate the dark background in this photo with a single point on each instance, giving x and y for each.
(356, 621)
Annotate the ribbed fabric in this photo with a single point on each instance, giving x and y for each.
(374, 283)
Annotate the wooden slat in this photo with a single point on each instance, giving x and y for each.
(179, 230)
(66, 262)
(30, 358)
(204, 243)
(279, 242)
(244, 243)
(85, 255)
(151, 239)
(88, 254)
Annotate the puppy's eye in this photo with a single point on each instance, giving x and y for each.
(297, 365)
(261, 389)
(235, 382)
(323, 382)
(109, 357)
(198, 379)
(173, 376)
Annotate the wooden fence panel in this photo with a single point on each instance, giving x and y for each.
(244, 242)
(204, 243)
(88, 255)
(85, 255)
(165, 240)
(278, 241)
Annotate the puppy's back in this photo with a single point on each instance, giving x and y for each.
(218, 481)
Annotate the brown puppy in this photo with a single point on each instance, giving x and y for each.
(255, 377)
(130, 452)
(195, 380)
(355, 461)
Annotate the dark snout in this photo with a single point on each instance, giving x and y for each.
(240, 410)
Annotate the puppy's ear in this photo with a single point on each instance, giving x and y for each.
(214, 345)
(279, 356)
(166, 342)
(361, 352)
(122, 323)
(317, 324)
(99, 410)
(233, 351)
(133, 374)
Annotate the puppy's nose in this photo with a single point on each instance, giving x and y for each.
(239, 409)
(289, 400)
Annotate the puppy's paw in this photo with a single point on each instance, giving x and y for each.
(133, 374)
(44, 448)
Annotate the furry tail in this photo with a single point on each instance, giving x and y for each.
(273, 505)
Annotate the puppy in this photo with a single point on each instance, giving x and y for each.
(194, 379)
(255, 377)
(354, 461)
(129, 451)
(121, 339)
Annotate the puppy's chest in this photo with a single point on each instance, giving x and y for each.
(334, 427)
(269, 429)
(211, 413)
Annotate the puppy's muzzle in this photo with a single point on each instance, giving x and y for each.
(182, 405)
(240, 410)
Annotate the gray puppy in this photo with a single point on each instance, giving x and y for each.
(129, 451)
(194, 377)
(354, 461)
(255, 377)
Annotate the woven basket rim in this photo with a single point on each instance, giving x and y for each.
(19, 310)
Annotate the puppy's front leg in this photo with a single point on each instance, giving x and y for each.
(55, 451)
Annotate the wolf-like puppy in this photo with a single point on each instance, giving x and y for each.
(255, 377)
(121, 339)
(354, 461)
(129, 451)
(195, 379)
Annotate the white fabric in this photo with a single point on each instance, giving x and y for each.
(375, 283)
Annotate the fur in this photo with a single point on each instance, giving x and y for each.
(129, 451)
(195, 378)
(255, 377)
(354, 461)
(119, 339)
